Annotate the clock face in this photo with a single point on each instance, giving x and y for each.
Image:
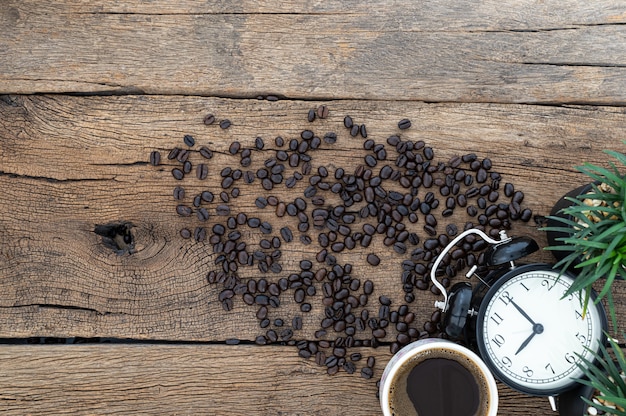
(530, 336)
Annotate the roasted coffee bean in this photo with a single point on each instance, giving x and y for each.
(306, 135)
(234, 148)
(286, 234)
(203, 214)
(367, 373)
(337, 247)
(202, 171)
(384, 300)
(311, 116)
(265, 227)
(155, 158)
(222, 210)
(206, 152)
(189, 140)
(224, 124)
(183, 210)
(209, 119)
(368, 287)
(363, 131)
(178, 174)
(173, 154)
(509, 190)
(322, 111)
(399, 247)
(199, 234)
(296, 323)
(373, 259)
(347, 122)
(179, 193)
(182, 156)
(481, 175)
(227, 182)
(185, 233)
(260, 202)
(404, 124)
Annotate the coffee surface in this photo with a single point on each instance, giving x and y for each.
(438, 385)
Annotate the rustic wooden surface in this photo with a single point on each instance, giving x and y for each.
(535, 87)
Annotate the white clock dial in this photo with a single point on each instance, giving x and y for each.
(531, 336)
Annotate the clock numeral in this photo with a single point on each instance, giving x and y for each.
(549, 367)
(581, 338)
(507, 361)
(548, 285)
(505, 297)
(570, 297)
(498, 340)
(524, 286)
(570, 358)
(579, 315)
(528, 371)
(496, 318)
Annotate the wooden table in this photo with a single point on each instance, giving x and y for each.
(91, 90)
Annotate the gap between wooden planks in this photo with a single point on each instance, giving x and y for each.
(191, 380)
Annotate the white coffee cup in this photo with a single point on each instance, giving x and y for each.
(404, 366)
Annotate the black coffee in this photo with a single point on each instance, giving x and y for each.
(438, 384)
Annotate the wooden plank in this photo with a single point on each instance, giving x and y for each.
(511, 51)
(69, 163)
(186, 379)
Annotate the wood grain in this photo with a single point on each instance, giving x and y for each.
(511, 51)
(188, 379)
(69, 163)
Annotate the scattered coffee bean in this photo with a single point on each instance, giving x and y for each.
(178, 174)
(373, 259)
(206, 152)
(189, 140)
(202, 171)
(209, 119)
(183, 211)
(404, 124)
(155, 158)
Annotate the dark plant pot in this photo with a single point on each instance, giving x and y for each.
(560, 204)
(570, 402)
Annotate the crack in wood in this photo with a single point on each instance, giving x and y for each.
(565, 64)
(216, 13)
(13, 175)
(60, 307)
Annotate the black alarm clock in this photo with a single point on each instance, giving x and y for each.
(530, 335)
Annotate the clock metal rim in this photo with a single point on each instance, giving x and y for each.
(505, 277)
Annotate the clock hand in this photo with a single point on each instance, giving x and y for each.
(537, 329)
(521, 347)
(524, 314)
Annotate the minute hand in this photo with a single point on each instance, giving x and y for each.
(524, 314)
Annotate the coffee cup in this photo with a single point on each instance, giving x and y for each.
(435, 377)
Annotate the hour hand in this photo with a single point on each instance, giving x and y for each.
(525, 343)
(524, 314)
(537, 329)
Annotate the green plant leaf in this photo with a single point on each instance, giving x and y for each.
(599, 173)
(617, 155)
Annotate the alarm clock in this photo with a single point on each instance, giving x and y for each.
(529, 333)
